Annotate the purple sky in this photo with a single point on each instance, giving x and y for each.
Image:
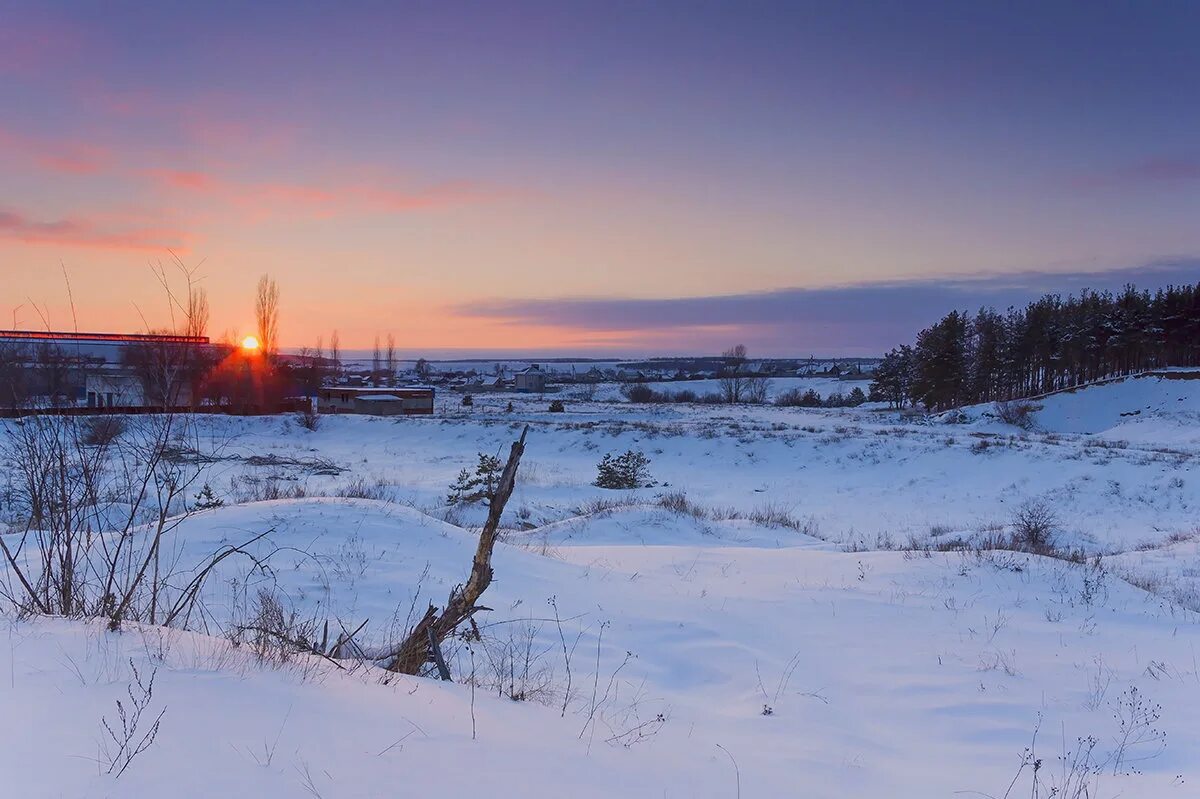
(600, 177)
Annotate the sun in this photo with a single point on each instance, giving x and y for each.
(250, 344)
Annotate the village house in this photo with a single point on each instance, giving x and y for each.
(376, 401)
(531, 379)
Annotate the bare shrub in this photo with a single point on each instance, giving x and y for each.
(1034, 527)
(756, 390)
(275, 634)
(362, 488)
(128, 737)
(774, 515)
(795, 398)
(602, 505)
(640, 393)
(1138, 738)
(265, 489)
(677, 502)
(100, 431)
(517, 664)
(1076, 777)
(279, 636)
(309, 419)
(1018, 413)
(134, 489)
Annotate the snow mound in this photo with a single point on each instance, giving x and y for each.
(656, 526)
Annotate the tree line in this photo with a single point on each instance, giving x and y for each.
(1051, 344)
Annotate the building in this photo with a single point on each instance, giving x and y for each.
(531, 379)
(130, 371)
(113, 389)
(376, 401)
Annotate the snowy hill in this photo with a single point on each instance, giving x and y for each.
(1131, 408)
(769, 616)
(695, 671)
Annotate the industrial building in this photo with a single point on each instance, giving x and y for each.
(132, 371)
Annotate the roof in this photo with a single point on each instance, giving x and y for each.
(380, 398)
(365, 392)
(53, 335)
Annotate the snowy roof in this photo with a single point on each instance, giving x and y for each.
(379, 398)
(365, 392)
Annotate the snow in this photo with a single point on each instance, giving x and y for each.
(887, 673)
(777, 386)
(1131, 408)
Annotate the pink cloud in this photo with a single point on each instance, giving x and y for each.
(1148, 172)
(57, 155)
(321, 200)
(84, 232)
(182, 179)
(1166, 169)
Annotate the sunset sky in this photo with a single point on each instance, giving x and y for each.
(608, 177)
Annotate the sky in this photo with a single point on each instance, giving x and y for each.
(592, 177)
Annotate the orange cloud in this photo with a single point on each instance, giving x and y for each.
(86, 233)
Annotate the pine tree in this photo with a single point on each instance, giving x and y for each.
(1048, 345)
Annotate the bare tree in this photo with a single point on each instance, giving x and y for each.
(391, 359)
(756, 389)
(197, 312)
(335, 354)
(376, 362)
(423, 643)
(733, 375)
(266, 314)
(172, 372)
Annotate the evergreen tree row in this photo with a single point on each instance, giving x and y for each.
(1051, 344)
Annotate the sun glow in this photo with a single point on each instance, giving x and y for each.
(250, 344)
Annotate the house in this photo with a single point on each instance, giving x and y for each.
(531, 379)
(376, 401)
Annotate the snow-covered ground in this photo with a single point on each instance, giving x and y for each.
(824, 386)
(769, 636)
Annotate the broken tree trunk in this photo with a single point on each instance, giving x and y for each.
(424, 640)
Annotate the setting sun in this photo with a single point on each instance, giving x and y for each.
(250, 344)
